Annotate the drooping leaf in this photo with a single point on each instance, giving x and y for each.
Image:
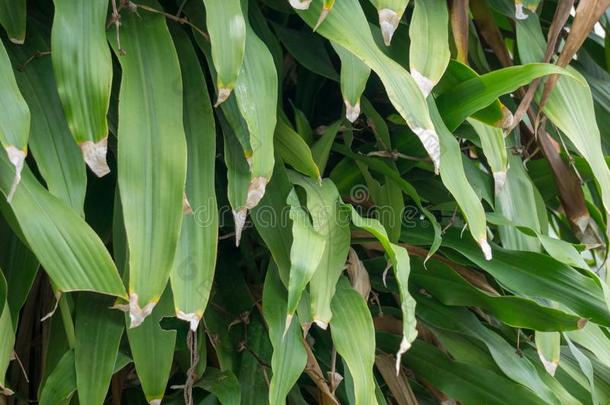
(399, 258)
(329, 220)
(429, 51)
(14, 121)
(227, 29)
(152, 349)
(354, 337)
(65, 245)
(83, 69)
(152, 186)
(306, 251)
(354, 75)
(98, 335)
(195, 261)
(57, 157)
(59, 387)
(494, 148)
(477, 93)
(256, 93)
(289, 356)
(454, 178)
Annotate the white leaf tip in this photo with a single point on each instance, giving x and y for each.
(17, 158)
(352, 112)
(155, 402)
(239, 217)
(321, 324)
(223, 95)
(549, 366)
(485, 248)
(94, 154)
(404, 346)
(519, 14)
(300, 4)
(192, 318)
(388, 21)
(137, 315)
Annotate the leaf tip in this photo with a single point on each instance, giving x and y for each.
(322, 17)
(239, 217)
(300, 4)
(549, 366)
(352, 112)
(192, 318)
(17, 158)
(223, 95)
(485, 248)
(321, 324)
(388, 21)
(137, 315)
(287, 324)
(94, 154)
(519, 14)
(404, 346)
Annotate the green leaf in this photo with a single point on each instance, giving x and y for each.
(494, 149)
(548, 345)
(354, 75)
(223, 384)
(354, 338)
(466, 382)
(13, 19)
(517, 368)
(14, 121)
(399, 258)
(69, 250)
(151, 129)
(98, 335)
(429, 51)
(57, 157)
(347, 27)
(289, 356)
(390, 12)
(454, 178)
(59, 386)
(256, 91)
(329, 220)
(294, 150)
(227, 29)
(83, 69)
(277, 234)
(306, 252)
(477, 93)
(450, 288)
(7, 333)
(195, 261)
(534, 275)
(152, 349)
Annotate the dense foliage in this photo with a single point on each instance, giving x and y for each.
(305, 201)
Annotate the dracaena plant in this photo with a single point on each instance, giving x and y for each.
(304, 201)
